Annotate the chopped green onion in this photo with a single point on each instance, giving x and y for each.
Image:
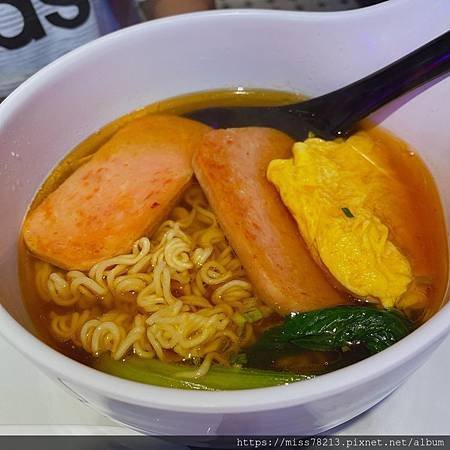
(347, 212)
(253, 315)
(239, 360)
(422, 279)
(238, 319)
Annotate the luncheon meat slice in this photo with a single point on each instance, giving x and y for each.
(121, 194)
(231, 168)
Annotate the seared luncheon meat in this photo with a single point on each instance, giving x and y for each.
(231, 168)
(343, 196)
(121, 194)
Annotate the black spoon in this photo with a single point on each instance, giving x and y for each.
(335, 114)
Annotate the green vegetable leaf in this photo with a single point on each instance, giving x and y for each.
(239, 360)
(158, 373)
(331, 329)
(347, 212)
(253, 315)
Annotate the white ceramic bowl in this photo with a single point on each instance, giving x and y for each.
(308, 52)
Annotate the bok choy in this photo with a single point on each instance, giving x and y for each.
(158, 373)
(332, 329)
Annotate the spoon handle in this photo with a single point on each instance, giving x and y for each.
(338, 111)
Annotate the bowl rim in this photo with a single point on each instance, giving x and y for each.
(170, 399)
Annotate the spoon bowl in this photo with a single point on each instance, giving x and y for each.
(335, 114)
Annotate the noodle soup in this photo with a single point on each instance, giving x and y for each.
(184, 304)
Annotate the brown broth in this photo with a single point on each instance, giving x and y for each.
(425, 243)
(424, 239)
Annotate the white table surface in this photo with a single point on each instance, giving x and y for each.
(31, 403)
